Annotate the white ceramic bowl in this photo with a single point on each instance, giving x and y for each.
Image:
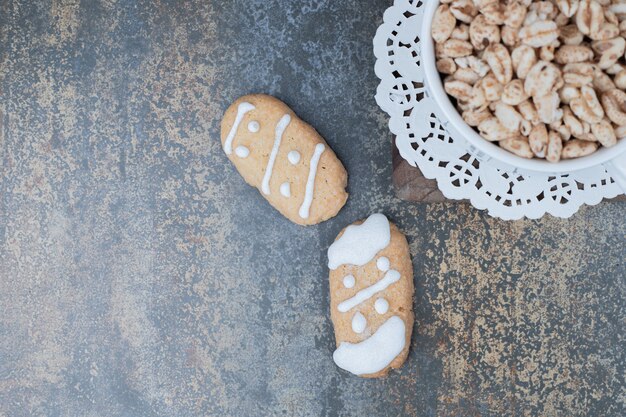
(614, 158)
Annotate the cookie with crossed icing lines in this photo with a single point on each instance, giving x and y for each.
(371, 293)
(285, 158)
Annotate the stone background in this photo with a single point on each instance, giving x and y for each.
(140, 276)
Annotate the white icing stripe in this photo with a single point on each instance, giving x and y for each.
(375, 353)
(242, 109)
(381, 305)
(360, 243)
(349, 281)
(359, 323)
(254, 126)
(285, 189)
(382, 263)
(310, 183)
(242, 151)
(280, 129)
(293, 157)
(390, 277)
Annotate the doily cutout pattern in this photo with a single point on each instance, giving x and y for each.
(426, 140)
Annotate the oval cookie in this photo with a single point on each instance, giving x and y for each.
(371, 293)
(285, 158)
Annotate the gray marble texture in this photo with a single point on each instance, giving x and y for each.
(140, 276)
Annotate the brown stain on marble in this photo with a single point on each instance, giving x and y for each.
(65, 21)
(497, 321)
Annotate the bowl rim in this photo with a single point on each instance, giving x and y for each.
(434, 85)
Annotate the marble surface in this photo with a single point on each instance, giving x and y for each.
(140, 276)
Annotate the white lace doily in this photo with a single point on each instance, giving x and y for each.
(426, 140)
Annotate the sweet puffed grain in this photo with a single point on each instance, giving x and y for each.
(614, 104)
(516, 65)
(517, 145)
(538, 140)
(443, 24)
(499, 60)
(620, 79)
(555, 147)
(492, 130)
(604, 133)
(577, 148)
(514, 93)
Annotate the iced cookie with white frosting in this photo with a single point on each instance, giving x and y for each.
(285, 158)
(371, 293)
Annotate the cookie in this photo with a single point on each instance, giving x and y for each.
(371, 293)
(285, 158)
